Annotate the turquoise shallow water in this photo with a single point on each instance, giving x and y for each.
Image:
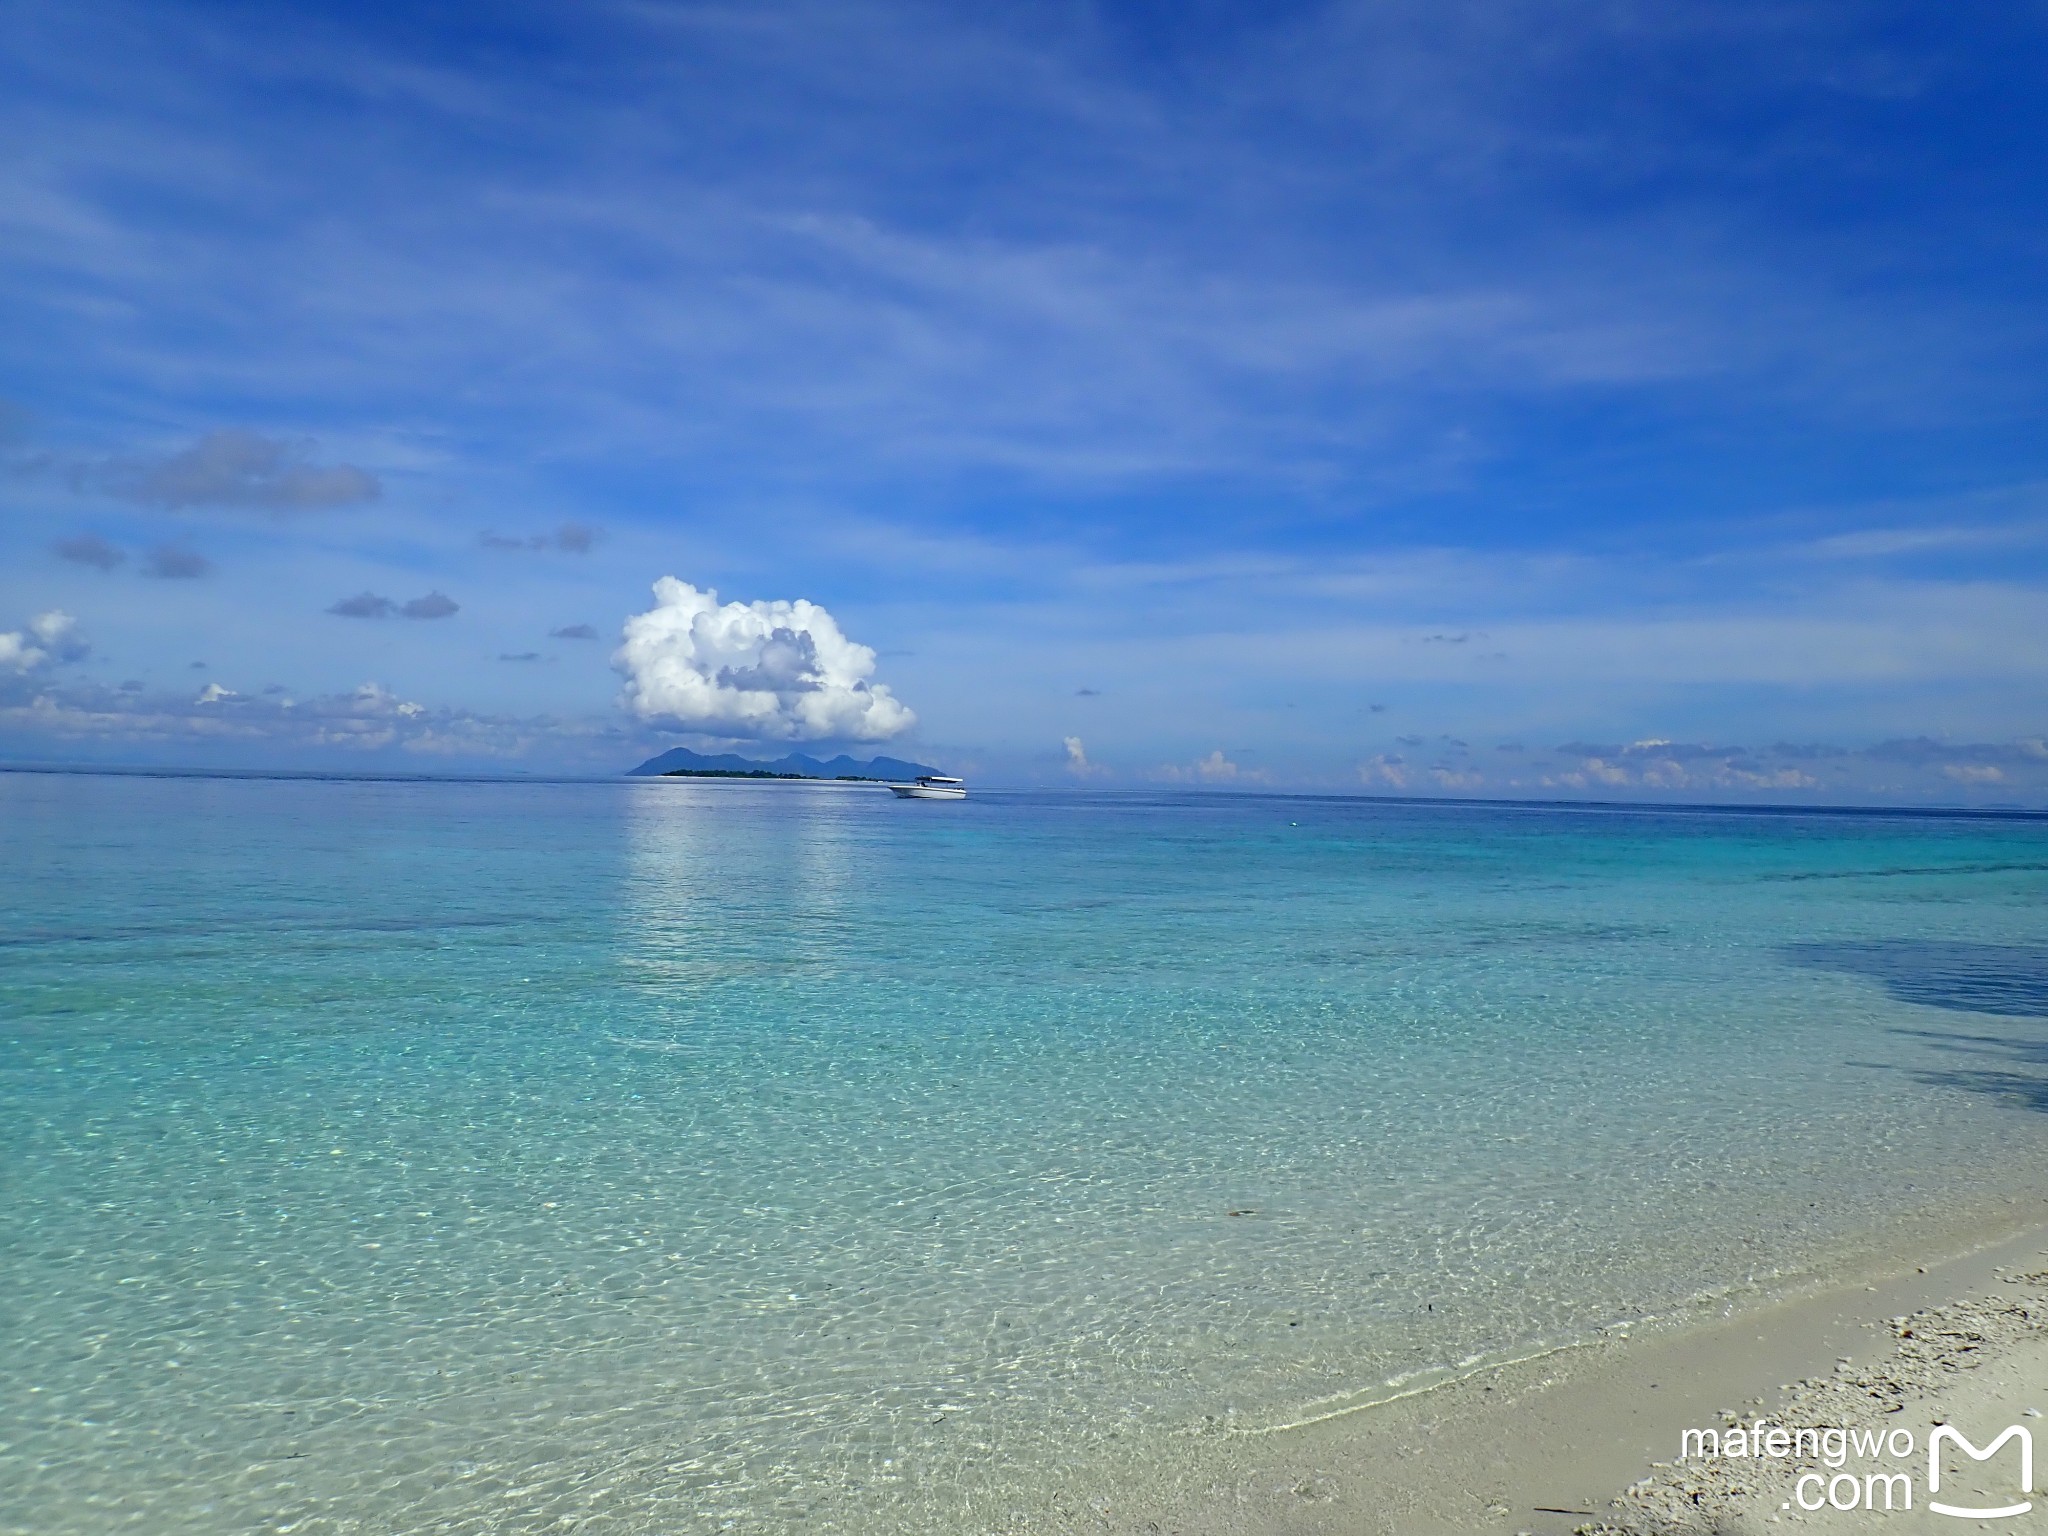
(666, 1157)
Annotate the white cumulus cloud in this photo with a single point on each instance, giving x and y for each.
(1077, 760)
(1213, 769)
(47, 637)
(760, 671)
(1382, 769)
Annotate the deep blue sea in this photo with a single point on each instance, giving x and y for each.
(665, 1157)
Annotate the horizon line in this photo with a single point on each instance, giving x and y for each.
(393, 776)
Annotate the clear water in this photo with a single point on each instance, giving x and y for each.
(670, 1157)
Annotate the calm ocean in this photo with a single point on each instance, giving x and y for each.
(654, 1157)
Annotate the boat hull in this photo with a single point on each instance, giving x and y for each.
(928, 792)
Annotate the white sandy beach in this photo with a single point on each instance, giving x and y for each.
(1978, 1364)
(1589, 1439)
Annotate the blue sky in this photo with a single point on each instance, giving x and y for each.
(1539, 399)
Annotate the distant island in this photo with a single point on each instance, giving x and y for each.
(682, 763)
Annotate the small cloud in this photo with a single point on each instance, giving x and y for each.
(1511, 746)
(1457, 639)
(1408, 741)
(1216, 768)
(1087, 693)
(1974, 773)
(435, 605)
(569, 538)
(519, 655)
(368, 719)
(58, 633)
(364, 605)
(573, 632)
(242, 469)
(1666, 750)
(172, 563)
(196, 666)
(1077, 759)
(376, 699)
(1384, 770)
(89, 549)
(213, 693)
(1448, 777)
(368, 605)
(1950, 756)
(1781, 778)
(1378, 709)
(1213, 769)
(45, 640)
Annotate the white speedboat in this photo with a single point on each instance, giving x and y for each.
(932, 786)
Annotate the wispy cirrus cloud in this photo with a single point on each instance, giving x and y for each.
(1078, 313)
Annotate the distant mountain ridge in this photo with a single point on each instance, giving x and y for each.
(796, 765)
